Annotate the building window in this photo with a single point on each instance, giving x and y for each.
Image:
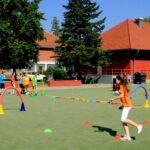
(41, 68)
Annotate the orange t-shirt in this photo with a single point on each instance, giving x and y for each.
(25, 80)
(126, 102)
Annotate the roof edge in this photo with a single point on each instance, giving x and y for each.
(128, 33)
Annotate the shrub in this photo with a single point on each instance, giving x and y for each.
(49, 71)
(59, 74)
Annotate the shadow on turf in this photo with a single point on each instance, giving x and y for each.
(104, 129)
(108, 130)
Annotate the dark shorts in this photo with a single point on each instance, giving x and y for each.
(21, 86)
(2, 85)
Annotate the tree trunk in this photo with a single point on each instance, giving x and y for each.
(14, 70)
(78, 71)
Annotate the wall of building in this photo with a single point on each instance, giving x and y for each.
(118, 67)
(129, 63)
(143, 66)
(47, 58)
(141, 62)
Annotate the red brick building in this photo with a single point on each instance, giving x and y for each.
(46, 54)
(129, 45)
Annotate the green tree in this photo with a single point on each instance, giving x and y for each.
(80, 36)
(55, 27)
(147, 19)
(20, 29)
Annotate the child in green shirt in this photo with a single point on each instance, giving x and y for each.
(34, 84)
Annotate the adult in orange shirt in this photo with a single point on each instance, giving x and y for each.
(126, 107)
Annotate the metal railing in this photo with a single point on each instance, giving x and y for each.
(117, 71)
(130, 73)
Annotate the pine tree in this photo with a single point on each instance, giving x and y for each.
(20, 29)
(80, 36)
(147, 19)
(55, 27)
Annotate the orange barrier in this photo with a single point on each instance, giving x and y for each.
(65, 83)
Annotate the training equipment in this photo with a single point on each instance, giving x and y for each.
(88, 123)
(110, 101)
(43, 94)
(146, 105)
(137, 87)
(1, 110)
(115, 103)
(117, 136)
(32, 95)
(48, 130)
(146, 122)
(18, 93)
(84, 100)
(22, 107)
(104, 102)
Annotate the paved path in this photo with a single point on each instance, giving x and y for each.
(99, 85)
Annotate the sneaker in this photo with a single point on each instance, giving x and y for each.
(27, 93)
(139, 129)
(125, 138)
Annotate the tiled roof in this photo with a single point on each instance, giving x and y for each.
(46, 55)
(127, 35)
(49, 41)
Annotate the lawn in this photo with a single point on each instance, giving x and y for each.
(66, 118)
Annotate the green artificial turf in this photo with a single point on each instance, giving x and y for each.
(59, 124)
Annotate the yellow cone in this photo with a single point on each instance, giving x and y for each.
(1, 110)
(146, 104)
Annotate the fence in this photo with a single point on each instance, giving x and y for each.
(117, 71)
(128, 72)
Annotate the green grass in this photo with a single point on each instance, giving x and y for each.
(65, 117)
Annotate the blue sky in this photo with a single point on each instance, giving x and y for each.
(116, 11)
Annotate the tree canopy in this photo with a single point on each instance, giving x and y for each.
(80, 35)
(55, 29)
(147, 19)
(20, 29)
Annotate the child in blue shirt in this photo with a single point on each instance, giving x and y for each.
(2, 81)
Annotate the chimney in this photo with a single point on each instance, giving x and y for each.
(139, 21)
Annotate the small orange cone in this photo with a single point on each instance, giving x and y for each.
(88, 123)
(146, 122)
(146, 104)
(117, 136)
(1, 110)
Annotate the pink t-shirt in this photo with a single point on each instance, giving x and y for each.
(13, 78)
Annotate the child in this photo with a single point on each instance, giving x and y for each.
(115, 87)
(13, 82)
(2, 81)
(13, 79)
(19, 77)
(34, 84)
(25, 82)
(126, 107)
